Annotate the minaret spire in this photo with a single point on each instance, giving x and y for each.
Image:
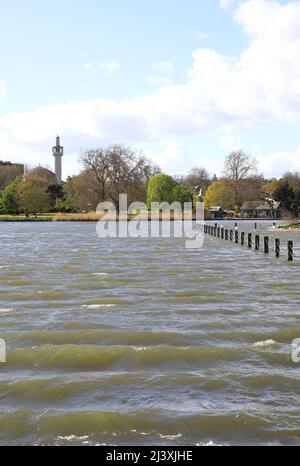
(58, 152)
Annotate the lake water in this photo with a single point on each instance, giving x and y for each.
(141, 341)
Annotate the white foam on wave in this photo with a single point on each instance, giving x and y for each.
(170, 437)
(261, 344)
(210, 443)
(73, 437)
(100, 274)
(6, 310)
(97, 306)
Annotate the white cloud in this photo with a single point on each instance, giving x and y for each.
(158, 81)
(89, 67)
(164, 67)
(172, 158)
(277, 163)
(201, 35)
(225, 4)
(109, 67)
(260, 85)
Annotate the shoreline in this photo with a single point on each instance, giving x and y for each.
(80, 218)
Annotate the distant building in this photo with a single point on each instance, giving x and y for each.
(8, 172)
(259, 209)
(19, 166)
(217, 212)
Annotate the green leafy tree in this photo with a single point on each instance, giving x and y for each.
(56, 193)
(9, 198)
(289, 197)
(33, 199)
(220, 193)
(182, 194)
(160, 189)
(33, 191)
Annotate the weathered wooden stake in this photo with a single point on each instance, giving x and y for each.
(219, 230)
(290, 250)
(249, 240)
(277, 247)
(266, 245)
(242, 238)
(222, 233)
(226, 235)
(256, 242)
(231, 235)
(255, 226)
(236, 237)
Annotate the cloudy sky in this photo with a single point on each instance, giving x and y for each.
(185, 81)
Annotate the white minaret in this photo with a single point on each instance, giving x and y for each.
(58, 152)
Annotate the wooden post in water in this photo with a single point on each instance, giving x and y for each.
(226, 235)
(290, 250)
(249, 240)
(256, 242)
(219, 230)
(255, 226)
(277, 247)
(222, 233)
(242, 238)
(236, 237)
(231, 235)
(266, 245)
(215, 231)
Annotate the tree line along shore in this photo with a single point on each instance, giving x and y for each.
(108, 172)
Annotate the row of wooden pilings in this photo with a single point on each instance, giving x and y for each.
(249, 239)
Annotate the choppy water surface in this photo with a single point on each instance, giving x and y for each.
(141, 341)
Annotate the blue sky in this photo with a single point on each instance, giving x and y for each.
(184, 81)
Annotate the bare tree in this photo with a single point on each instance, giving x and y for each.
(197, 177)
(238, 167)
(117, 169)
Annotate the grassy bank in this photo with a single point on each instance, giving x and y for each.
(292, 226)
(45, 217)
(93, 217)
(80, 217)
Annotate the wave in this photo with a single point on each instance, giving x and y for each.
(91, 357)
(105, 337)
(155, 424)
